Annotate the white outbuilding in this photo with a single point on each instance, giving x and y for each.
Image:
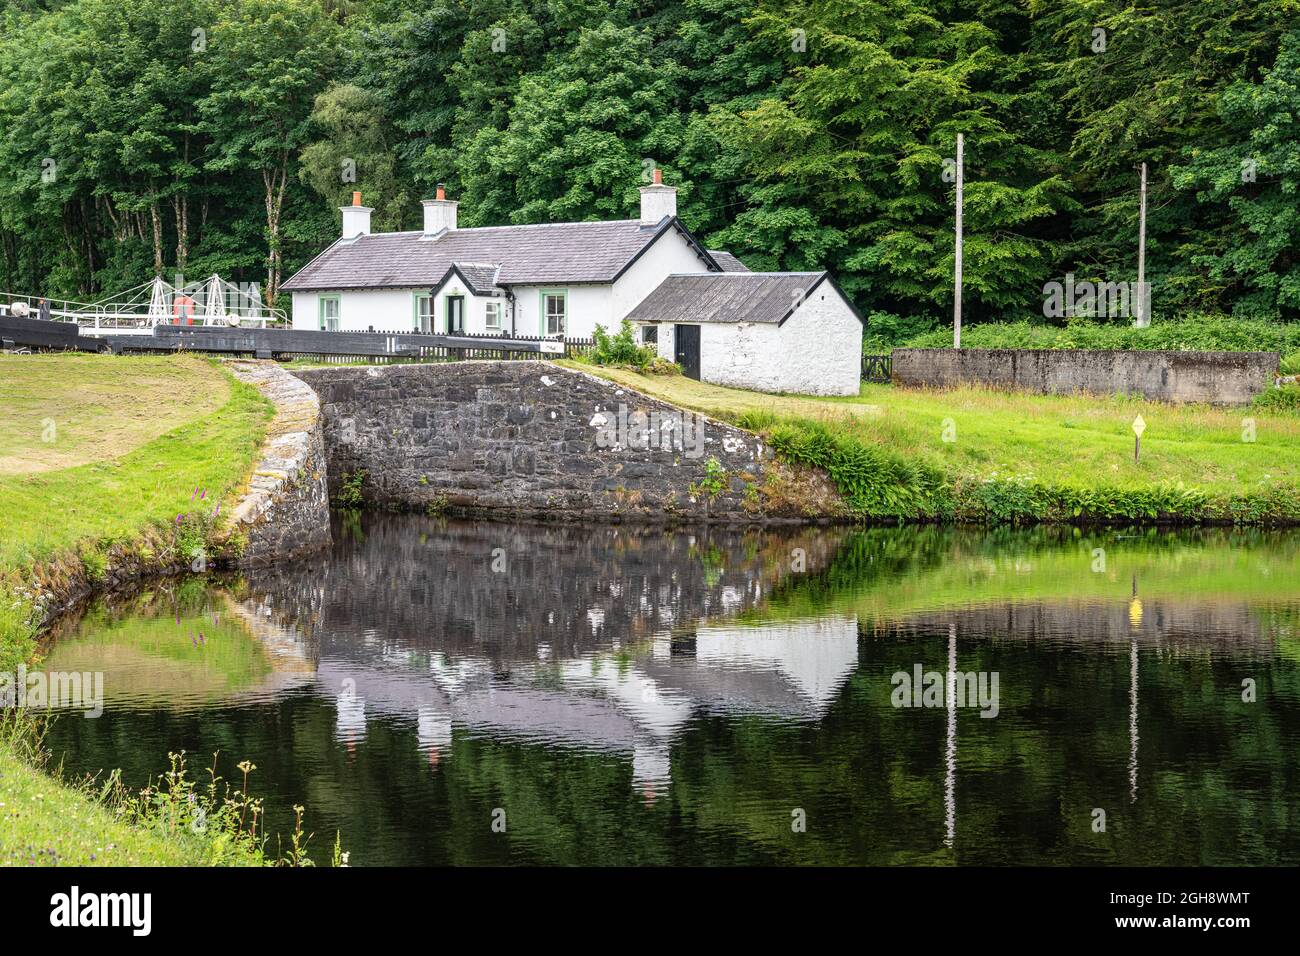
(765, 331)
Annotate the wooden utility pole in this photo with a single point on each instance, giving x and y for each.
(956, 295)
(1143, 320)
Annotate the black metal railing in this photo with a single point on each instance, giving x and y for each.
(348, 346)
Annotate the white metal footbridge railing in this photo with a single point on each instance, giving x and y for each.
(213, 302)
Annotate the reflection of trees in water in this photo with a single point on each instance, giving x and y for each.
(888, 575)
(1211, 780)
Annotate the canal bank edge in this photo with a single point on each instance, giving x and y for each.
(538, 441)
(283, 513)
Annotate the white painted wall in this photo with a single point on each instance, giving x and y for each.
(817, 351)
(386, 310)
(821, 346)
(393, 310)
(742, 355)
(587, 305)
(670, 253)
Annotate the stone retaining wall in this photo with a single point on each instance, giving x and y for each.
(532, 439)
(285, 513)
(1219, 378)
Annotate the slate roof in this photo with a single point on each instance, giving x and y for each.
(522, 255)
(727, 297)
(728, 262)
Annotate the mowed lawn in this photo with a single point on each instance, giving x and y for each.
(98, 447)
(1079, 441)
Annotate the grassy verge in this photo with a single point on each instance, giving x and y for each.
(143, 439)
(43, 822)
(971, 454)
(139, 479)
(99, 455)
(178, 820)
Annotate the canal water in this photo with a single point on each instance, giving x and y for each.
(452, 692)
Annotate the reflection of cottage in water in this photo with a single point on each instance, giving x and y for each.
(603, 702)
(605, 639)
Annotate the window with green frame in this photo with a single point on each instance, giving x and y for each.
(327, 311)
(422, 311)
(493, 310)
(554, 311)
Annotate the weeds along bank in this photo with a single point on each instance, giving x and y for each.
(879, 484)
(189, 816)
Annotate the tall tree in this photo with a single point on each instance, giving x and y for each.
(851, 164)
(1252, 181)
(579, 134)
(355, 154)
(269, 60)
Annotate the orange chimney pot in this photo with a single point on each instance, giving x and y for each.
(356, 197)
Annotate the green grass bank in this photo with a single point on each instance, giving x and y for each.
(99, 455)
(984, 456)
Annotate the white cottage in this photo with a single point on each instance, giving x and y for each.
(564, 279)
(766, 331)
(555, 279)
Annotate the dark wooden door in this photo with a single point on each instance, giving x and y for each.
(455, 314)
(686, 349)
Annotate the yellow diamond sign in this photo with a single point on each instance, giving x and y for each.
(1139, 426)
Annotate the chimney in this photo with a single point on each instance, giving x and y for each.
(439, 213)
(657, 201)
(356, 218)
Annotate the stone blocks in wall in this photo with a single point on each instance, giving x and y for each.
(285, 513)
(531, 439)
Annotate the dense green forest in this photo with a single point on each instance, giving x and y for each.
(194, 136)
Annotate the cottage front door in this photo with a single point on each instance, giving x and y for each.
(686, 350)
(455, 314)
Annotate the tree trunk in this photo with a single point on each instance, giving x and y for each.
(181, 204)
(89, 221)
(276, 181)
(156, 220)
(10, 259)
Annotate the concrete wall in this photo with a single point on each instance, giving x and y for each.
(527, 439)
(1220, 378)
